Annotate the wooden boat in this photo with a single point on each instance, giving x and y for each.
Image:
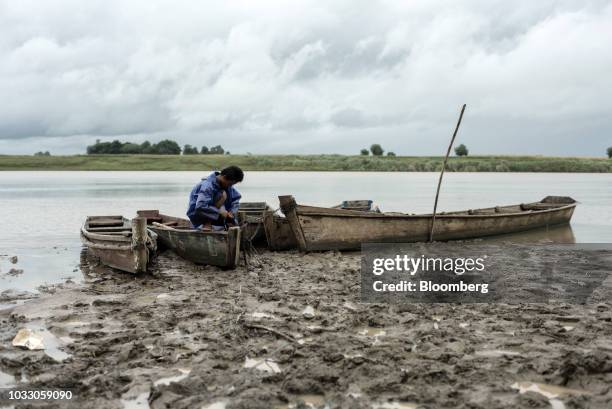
(215, 248)
(278, 230)
(119, 243)
(319, 228)
(252, 214)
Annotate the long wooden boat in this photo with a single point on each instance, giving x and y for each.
(252, 213)
(319, 228)
(215, 248)
(120, 243)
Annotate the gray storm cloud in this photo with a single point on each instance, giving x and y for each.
(306, 76)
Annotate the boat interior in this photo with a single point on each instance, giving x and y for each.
(154, 217)
(109, 225)
(252, 212)
(254, 207)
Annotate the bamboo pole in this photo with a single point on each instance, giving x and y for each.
(450, 146)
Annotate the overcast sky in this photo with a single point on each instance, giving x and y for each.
(308, 76)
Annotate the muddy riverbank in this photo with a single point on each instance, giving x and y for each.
(289, 331)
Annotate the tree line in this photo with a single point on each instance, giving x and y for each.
(376, 150)
(165, 147)
(215, 150)
(460, 150)
(170, 147)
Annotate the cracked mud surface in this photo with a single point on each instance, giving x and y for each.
(181, 336)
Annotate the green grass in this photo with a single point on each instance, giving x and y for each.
(307, 163)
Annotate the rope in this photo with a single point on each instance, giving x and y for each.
(247, 247)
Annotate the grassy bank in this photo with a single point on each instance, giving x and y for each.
(307, 162)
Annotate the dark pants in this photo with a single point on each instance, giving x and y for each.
(201, 219)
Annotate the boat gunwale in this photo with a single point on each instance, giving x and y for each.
(187, 230)
(111, 246)
(119, 240)
(105, 237)
(357, 214)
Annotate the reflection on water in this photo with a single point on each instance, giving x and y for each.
(42, 211)
(53, 345)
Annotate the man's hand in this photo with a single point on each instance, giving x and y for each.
(224, 213)
(229, 215)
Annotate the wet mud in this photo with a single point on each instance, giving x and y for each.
(289, 331)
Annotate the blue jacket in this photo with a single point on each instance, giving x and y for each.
(204, 195)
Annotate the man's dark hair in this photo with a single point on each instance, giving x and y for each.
(233, 173)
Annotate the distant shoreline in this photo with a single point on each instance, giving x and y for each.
(306, 163)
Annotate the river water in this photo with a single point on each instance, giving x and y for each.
(42, 211)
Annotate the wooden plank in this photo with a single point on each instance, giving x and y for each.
(289, 206)
(148, 213)
(110, 229)
(105, 222)
(139, 244)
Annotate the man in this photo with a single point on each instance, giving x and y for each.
(214, 201)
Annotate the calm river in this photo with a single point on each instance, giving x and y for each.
(42, 211)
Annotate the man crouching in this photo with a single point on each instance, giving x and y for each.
(213, 202)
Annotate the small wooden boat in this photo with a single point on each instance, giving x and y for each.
(215, 248)
(319, 228)
(119, 243)
(252, 213)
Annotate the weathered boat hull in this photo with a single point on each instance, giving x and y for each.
(215, 248)
(119, 243)
(317, 228)
(278, 232)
